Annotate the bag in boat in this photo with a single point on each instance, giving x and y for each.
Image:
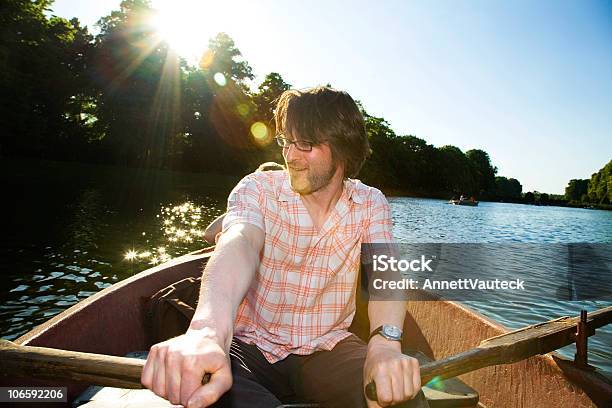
(170, 310)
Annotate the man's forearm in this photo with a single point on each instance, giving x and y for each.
(225, 281)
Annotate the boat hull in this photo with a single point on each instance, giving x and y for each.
(464, 202)
(113, 322)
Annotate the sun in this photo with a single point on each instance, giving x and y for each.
(187, 25)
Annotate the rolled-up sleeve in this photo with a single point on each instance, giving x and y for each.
(379, 226)
(245, 203)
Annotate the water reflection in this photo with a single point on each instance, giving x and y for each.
(432, 221)
(85, 228)
(179, 225)
(97, 246)
(79, 242)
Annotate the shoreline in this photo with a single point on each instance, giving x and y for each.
(115, 169)
(394, 192)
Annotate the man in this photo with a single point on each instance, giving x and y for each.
(278, 294)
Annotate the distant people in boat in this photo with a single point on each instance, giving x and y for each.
(213, 231)
(463, 198)
(271, 324)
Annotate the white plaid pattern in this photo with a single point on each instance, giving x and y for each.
(303, 296)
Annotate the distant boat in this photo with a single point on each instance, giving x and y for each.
(464, 202)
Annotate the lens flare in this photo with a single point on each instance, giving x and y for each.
(436, 383)
(261, 133)
(207, 59)
(144, 254)
(220, 79)
(130, 255)
(243, 109)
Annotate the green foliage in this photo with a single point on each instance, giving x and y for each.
(264, 101)
(600, 186)
(409, 164)
(529, 197)
(576, 189)
(456, 169)
(269, 91)
(42, 63)
(507, 189)
(124, 97)
(227, 59)
(484, 171)
(382, 168)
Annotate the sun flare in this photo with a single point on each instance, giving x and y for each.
(187, 25)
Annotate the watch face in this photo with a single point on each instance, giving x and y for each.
(392, 331)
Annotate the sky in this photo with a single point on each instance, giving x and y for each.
(528, 82)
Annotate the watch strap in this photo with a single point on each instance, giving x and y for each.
(375, 332)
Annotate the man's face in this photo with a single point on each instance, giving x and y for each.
(309, 171)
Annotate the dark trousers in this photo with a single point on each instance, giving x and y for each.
(332, 378)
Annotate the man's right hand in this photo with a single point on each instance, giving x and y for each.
(175, 368)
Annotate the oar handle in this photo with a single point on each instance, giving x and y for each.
(427, 371)
(370, 391)
(41, 362)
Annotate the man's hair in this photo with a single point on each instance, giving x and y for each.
(323, 114)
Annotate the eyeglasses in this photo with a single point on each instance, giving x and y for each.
(301, 145)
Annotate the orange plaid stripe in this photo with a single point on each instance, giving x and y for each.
(303, 296)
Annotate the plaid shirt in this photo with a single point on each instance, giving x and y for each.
(302, 298)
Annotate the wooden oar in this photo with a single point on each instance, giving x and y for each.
(40, 362)
(55, 364)
(511, 347)
(48, 363)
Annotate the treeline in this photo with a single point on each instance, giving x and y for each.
(123, 97)
(594, 191)
(411, 165)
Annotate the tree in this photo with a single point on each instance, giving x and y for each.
(576, 189)
(264, 101)
(219, 111)
(417, 164)
(137, 79)
(225, 58)
(507, 189)
(42, 74)
(268, 92)
(515, 188)
(382, 167)
(600, 185)
(456, 171)
(484, 170)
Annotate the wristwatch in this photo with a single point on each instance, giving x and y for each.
(388, 331)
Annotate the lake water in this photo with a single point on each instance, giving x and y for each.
(76, 229)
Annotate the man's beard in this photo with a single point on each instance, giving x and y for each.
(316, 180)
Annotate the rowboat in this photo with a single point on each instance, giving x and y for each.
(464, 202)
(113, 322)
